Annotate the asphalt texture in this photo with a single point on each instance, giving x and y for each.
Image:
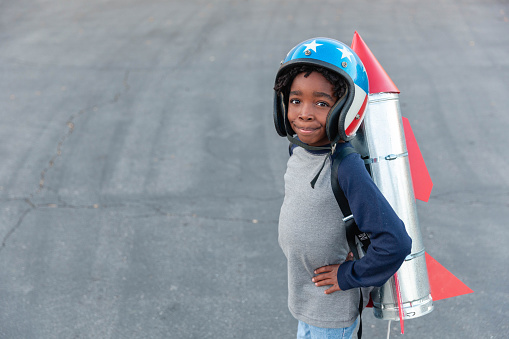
(141, 176)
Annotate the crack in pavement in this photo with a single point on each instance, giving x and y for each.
(18, 224)
(158, 211)
(70, 129)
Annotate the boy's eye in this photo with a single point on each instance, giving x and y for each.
(294, 101)
(322, 104)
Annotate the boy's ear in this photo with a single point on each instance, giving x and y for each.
(279, 114)
(333, 118)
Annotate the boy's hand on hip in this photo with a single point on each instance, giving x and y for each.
(328, 275)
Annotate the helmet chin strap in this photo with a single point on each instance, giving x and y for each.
(331, 148)
(306, 146)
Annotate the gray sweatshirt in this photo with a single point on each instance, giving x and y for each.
(312, 235)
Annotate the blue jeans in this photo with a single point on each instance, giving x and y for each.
(306, 331)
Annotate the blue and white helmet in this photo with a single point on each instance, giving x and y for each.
(346, 116)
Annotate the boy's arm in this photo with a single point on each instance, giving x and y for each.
(390, 243)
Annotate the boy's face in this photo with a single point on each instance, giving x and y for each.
(309, 103)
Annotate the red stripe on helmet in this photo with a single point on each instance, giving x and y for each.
(354, 125)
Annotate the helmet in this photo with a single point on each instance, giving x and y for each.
(346, 115)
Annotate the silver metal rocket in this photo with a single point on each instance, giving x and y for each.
(381, 141)
(386, 152)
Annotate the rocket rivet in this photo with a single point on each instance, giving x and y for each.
(344, 64)
(357, 117)
(307, 52)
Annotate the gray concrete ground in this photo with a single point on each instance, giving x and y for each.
(141, 176)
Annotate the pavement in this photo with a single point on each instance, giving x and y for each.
(141, 176)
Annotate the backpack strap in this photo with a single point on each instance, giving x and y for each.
(352, 230)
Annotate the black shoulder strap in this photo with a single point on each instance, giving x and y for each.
(337, 158)
(352, 230)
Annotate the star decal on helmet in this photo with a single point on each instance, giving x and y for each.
(346, 53)
(312, 46)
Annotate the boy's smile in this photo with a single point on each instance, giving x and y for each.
(310, 101)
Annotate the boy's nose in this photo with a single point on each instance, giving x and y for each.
(306, 117)
(306, 114)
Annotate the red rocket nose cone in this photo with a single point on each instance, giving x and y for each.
(379, 81)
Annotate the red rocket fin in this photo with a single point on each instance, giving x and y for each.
(443, 284)
(379, 81)
(420, 176)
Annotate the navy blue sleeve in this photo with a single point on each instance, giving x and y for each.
(390, 243)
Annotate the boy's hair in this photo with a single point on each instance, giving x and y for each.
(284, 81)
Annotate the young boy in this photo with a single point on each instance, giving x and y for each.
(320, 96)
